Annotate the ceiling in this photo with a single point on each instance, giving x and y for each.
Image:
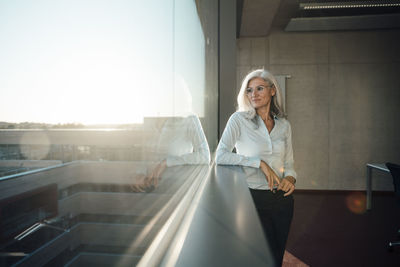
(256, 18)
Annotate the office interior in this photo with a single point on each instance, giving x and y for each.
(74, 197)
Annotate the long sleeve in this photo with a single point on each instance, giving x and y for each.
(201, 151)
(288, 158)
(230, 136)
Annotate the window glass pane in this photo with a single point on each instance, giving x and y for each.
(107, 111)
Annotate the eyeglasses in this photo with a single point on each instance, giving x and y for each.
(259, 89)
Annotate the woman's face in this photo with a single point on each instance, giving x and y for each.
(259, 92)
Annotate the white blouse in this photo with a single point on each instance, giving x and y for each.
(254, 143)
(182, 141)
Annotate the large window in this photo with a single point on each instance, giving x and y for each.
(107, 109)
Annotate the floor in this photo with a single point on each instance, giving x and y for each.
(333, 228)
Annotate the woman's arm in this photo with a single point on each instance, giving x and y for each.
(201, 151)
(288, 162)
(272, 179)
(224, 155)
(288, 182)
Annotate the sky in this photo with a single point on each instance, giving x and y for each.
(98, 61)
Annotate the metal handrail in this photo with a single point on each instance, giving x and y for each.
(35, 171)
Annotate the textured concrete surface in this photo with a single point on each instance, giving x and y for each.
(342, 101)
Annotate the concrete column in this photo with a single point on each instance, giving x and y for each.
(227, 61)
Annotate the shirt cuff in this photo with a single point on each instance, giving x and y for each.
(253, 162)
(290, 173)
(173, 161)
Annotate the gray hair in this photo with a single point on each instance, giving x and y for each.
(244, 104)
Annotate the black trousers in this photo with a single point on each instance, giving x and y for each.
(276, 213)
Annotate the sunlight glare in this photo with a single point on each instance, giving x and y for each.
(92, 65)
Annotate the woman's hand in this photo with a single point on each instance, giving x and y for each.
(139, 183)
(287, 185)
(147, 183)
(271, 176)
(156, 173)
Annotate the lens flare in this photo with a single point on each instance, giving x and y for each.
(356, 202)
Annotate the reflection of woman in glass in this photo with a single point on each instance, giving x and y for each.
(262, 138)
(181, 142)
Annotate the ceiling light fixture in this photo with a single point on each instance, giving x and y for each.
(333, 5)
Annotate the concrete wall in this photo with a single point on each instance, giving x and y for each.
(343, 101)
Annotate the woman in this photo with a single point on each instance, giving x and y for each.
(181, 142)
(262, 138)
